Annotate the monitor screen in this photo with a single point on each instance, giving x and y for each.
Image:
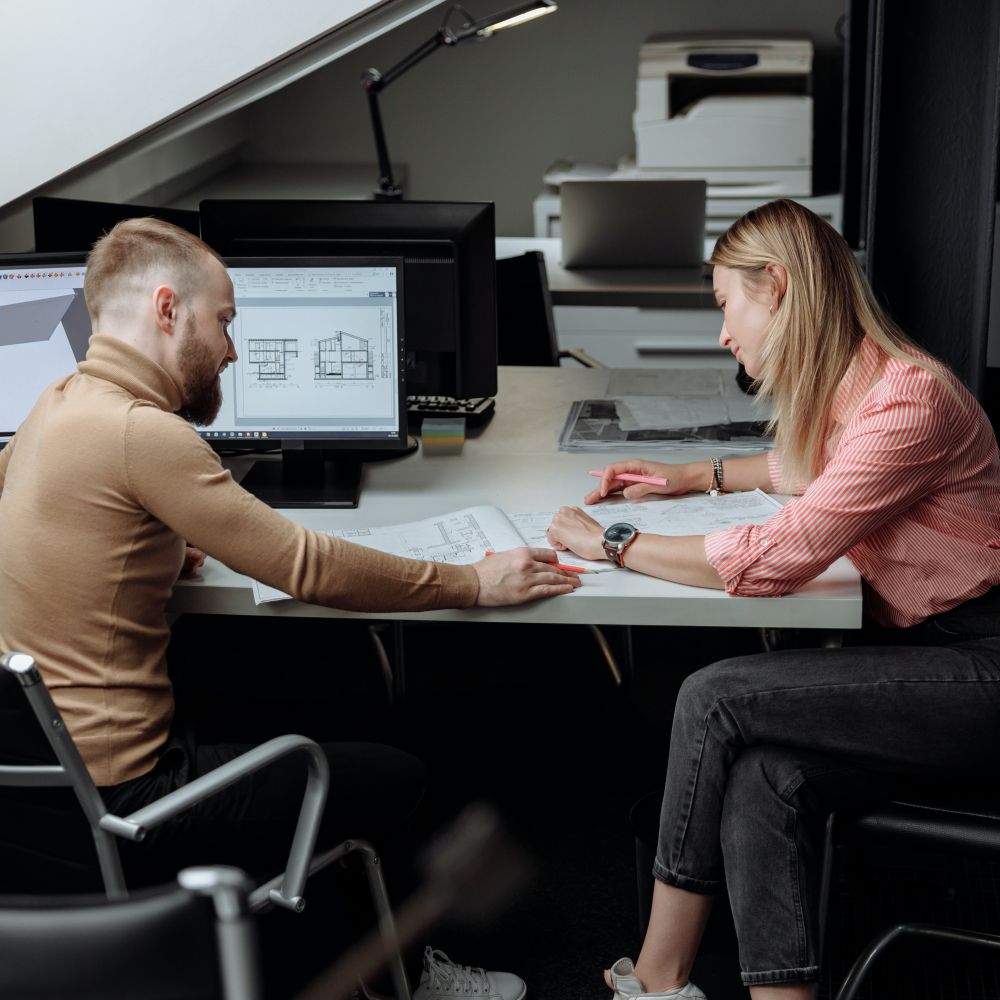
(319, 345)
(449, 257)
(63, 224)
(44, 329)
(320, 372)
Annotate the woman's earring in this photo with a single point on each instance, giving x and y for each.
(770, 309)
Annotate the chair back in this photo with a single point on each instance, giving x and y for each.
(193, 941)
(43, 835)
(526, 329)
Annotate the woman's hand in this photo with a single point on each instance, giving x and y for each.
(572, 529)
(681, 478)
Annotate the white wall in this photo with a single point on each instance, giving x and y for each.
(111, 99)
(484, 120)
(79, 78)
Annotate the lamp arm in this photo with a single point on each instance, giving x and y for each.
(387, 189)
(443, 36)
(373, 83)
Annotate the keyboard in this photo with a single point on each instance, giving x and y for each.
(476, 410)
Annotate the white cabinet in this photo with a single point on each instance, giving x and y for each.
(625, 337)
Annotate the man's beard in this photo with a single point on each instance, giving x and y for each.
(202, 389)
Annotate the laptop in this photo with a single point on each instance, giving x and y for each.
(632, 223)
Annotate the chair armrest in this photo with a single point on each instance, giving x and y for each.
(134, 826)
(34, 775)
(580, 355)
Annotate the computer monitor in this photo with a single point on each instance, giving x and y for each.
(320, 373)
(449, 258)
(63, 224)
(44, 328)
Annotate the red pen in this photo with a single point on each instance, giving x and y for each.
(566, 566)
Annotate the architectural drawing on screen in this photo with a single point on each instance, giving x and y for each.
(343, 356)
(270, 358)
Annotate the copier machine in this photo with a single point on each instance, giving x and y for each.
(734, 110)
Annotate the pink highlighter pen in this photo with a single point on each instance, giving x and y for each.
(628, 477)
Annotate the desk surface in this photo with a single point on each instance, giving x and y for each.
(663, 289)
(515, 463)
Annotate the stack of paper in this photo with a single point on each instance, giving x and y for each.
(654, 407)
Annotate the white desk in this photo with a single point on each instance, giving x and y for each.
(515, 464)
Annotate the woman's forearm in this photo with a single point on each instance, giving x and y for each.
(680, 559)
(747, 472)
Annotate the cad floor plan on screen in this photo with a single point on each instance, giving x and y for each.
(314, 344)
(340, 357)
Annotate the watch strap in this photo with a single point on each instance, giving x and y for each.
(616, 553)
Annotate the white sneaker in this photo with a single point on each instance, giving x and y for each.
(627, 986)
(442, 979)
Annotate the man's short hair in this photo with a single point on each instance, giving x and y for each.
(137, 249)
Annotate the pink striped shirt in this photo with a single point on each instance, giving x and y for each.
(910, 494)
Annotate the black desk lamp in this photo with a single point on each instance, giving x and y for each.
(373, 82)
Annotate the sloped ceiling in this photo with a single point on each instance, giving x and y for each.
(85, 80)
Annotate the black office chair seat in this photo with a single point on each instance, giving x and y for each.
(958, 824)
(947, 819)
(193, 941)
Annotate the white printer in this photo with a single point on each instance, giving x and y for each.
(736, 111)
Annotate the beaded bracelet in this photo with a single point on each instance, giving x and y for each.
(716, 488)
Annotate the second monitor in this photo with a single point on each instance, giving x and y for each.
(449, 262)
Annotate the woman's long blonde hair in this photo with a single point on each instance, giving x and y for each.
(826, 312)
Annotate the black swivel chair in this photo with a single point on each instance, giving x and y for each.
(50, 763)
(526, 329)
(194, 940)
(963, 823)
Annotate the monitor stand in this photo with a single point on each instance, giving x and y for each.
(310, 477)
(305, 479)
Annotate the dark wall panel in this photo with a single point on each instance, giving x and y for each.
(933, 172)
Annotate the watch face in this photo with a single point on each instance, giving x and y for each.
(620, 532)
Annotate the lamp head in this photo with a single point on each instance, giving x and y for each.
(485, 27)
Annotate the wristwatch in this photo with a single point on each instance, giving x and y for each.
(617, 538)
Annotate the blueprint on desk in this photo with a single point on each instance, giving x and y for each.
(463, 536)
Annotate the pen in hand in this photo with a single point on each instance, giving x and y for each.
(629, 477)
(566, 566)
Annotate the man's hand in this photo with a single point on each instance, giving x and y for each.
(521, 575)
(572, 529)
(193, 559)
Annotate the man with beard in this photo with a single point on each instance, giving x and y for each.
(100, 490)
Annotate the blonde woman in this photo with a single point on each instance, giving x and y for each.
(894, 465)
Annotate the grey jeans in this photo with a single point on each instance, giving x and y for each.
(763, 747)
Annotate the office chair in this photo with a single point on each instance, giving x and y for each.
(193, 940)
(959, 822)
(52, 761)
(526, 328)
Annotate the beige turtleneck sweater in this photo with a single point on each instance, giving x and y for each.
(99, 490)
